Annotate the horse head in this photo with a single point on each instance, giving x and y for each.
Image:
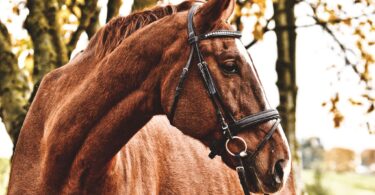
(219, 99)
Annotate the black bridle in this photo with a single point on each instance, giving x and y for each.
(229, 125)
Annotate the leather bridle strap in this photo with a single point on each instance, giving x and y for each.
(240, 169)
(194, 41)
(254, 119)
(180, 84)
(264, 140)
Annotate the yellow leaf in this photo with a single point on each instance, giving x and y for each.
(347, 21)
(354, 102)
(337, 119)
(371, 108)
(258, 31)
(16, 10)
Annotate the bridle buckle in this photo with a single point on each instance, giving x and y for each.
(224, 126)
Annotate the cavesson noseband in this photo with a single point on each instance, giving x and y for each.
(229, 125)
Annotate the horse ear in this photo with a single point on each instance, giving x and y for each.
(185, 5)
(213, 11)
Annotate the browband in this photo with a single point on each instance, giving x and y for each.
(218, 33)
(215, 34)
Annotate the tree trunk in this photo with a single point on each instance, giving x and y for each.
(142, 4)
(88, 13)
(286, 71)
(52, 13)
(38, 26)
(50, 51)
(14, 88)
(94, 24)
(113, 8)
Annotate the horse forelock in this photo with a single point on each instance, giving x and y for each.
(119, 28)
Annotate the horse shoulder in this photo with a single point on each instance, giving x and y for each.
(27, 160)
(26, 164)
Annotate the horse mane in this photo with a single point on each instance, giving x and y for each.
(119, 28)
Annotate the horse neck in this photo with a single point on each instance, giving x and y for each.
(97, 117)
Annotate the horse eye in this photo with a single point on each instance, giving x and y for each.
(230, 68)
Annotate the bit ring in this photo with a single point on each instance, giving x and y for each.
(242, 153)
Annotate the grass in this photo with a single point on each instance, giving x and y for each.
(4, 175)
(343, 183)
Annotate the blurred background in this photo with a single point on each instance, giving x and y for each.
(316, 59)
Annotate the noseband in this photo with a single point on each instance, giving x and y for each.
(229, 125)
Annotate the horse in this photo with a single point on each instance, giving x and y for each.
(73, 137)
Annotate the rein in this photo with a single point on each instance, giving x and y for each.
(230, 127)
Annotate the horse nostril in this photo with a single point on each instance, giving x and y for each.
(279, 171)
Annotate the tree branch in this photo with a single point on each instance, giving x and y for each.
(253, 42)
(343, 48)
(38, 27)
(141, 4)
(335, 21)
(94, 24)
(84, 21)
(113, 8)
(265, 29)
(341, 45)
(51, 13)
(71, 6)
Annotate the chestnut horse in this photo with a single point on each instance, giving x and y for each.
(72, 141)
